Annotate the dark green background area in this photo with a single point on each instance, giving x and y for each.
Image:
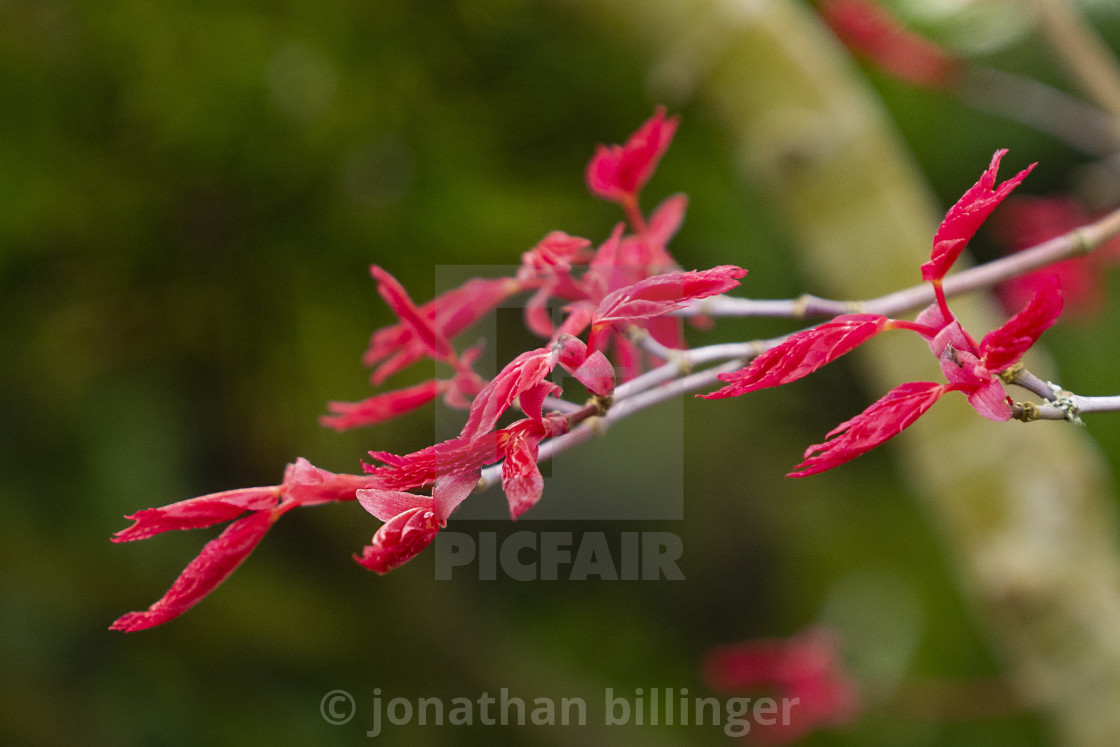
(190, 196)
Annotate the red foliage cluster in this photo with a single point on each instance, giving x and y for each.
(969, 367)
(604, 295)
(630, 281)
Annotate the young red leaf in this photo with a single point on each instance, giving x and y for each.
(592, 370)
(966, 373)
(538, 316)
(396, 347)
(647, 253)
(618, 172)
(571, 351)
(1003, 347)
(531, 401)
(451, 490)
(304, 485)
(197, 513)
(578, 316)
(555, 253)
(520, 375)
(455, 310)
(964, 218)
(668, 331)
(451, 457)
(662, 294)
(218, 559)
(802, 353)
(627, 358)
(448, 464)
(399, 301)
(606, 271)
(881, 421)
(381, 407)
(411, 520)
(399, 540)
(990, 400)
(596, 373)
(385, 504)
(521, 477)
(465, 384)
(667, 219)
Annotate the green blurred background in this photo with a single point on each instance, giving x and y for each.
(190, 196)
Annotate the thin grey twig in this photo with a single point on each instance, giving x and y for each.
(675, 377)
(1066, 407)
(1080, 241)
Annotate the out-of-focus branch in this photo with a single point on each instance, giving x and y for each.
(1092, 65)
(1088, 128)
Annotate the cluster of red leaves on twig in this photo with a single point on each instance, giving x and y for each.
(968, 366)
(604, 294)
(629, 281)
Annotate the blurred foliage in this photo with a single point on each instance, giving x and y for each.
(190, 195)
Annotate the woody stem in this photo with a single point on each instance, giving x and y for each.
(1079, 242)
(634, 215)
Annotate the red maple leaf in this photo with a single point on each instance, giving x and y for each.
(618, 172)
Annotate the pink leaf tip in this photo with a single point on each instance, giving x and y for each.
(618, 172)
(965, 217)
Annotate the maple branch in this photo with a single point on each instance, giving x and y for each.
(1060, 404)
(673, 379)
(1078, 242)
(562, 406)
(676, 378)
(661, 384)
(1096, 404)
(1021, 377)
(1066, 407)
